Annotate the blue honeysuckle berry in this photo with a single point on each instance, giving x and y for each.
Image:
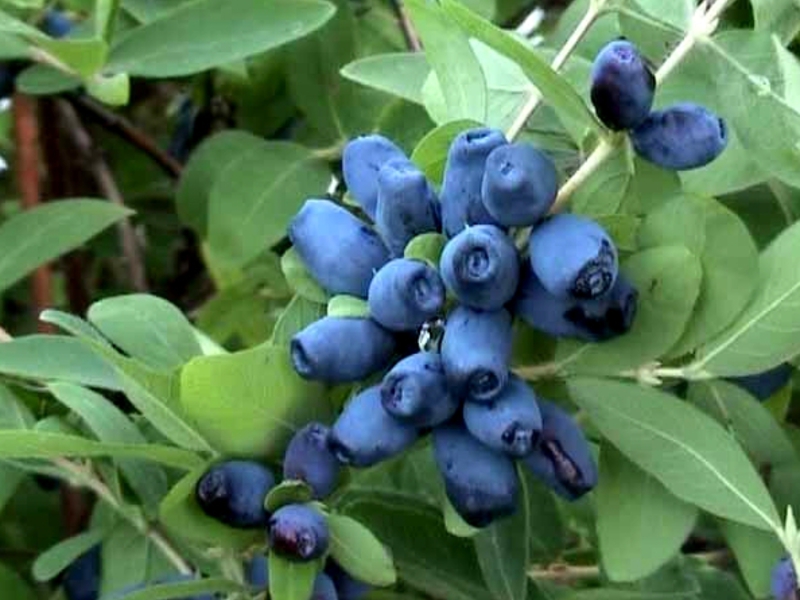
(476, 351)
(681, 137)
(365, 434)
(362, 160)
(519, 185)
(622, 87)
(341, 252)
(233, 493)
(481, 483)
(341, 350)
(480, 266)
(298, 532)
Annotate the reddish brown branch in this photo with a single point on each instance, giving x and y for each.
(26, 134)
(108, 187)
(129, 132)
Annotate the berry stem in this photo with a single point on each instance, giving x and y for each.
(567, 49)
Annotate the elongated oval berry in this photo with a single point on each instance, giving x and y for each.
(365, 434)
(362, 159)
(256, 572)
(298, 532)
(82, 577)
(763, 385)
(682, 137)
(407, 205)
(324, 588)
(341, 350)
(510, 423)
(233, 492)
(622, 86)
(405, 294)
(480, 266)
(347, 587)
(563, 460)
(606, 317)
(481, 483)
(340, 251)
(415, 391)
(596, 320)
(463, 177)
(520, 185)
(309, 458)
(784, 580)
(573, 256)
(476, 350)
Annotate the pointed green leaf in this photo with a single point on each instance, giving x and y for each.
(359, 552)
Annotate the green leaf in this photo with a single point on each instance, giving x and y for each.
(347, 306)
(727, 253)
(204, 34)
(110, 424)
(450, 55)
(766, 123)
(546, 534)
(680, 446)
(114, 90)
(781, 17)
(43, 444)
(249, 403)
(426, 557)
(207, 163)
(184, 589)
(146, 328)
(291, 580)
(668, 280)
(757, 552)
(288, 491)
(401, 74)
(57, 558)
(333, 106)
(359, 552)
(454, 522)
(750, 421)
(255, 197)
(180, 513)
(154, 394)
(36, 236)
(297, 315)
(84, 56)
(56, 358)
(300, 280)
(638, 532)
(554, 88)
(430, 155)
(72, 324)
(125, 554)
(427, 247)
(42, 80)
(14, 586)
(677, 13)
(503, 552)
(765, 334)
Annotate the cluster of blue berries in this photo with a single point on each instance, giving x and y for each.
(235, 493)
(459, 386)
(682, 136)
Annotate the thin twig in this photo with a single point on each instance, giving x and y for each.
(561, 573)
(566, 50)
(26, 134)
(86, 477)
(129, 132)
(109, 188)
(407, 27)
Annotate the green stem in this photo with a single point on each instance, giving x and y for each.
(85, 476)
